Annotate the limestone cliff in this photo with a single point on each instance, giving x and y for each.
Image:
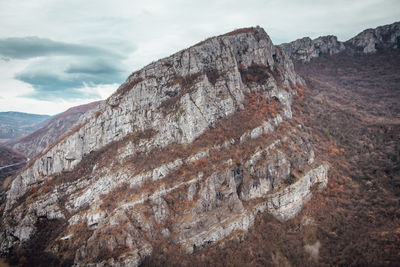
(371, 40)
(368, 41)
(189, 149)
(306, 49)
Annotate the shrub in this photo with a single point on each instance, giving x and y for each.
(290, 180)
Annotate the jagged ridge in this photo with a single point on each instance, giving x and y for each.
(368, 41)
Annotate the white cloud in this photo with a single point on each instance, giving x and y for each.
(29, 105)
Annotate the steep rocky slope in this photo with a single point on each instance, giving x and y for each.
(351, 108)
(355, 221)
(17, 124)
(188, 150)
(34, 143)
(368, 41)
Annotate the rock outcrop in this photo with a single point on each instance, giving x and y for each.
(371, 40)
(189, 149)
(306, 49)
(368, 41)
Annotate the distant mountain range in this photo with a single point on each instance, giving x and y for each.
(33, 143)
(17, 124)
(29, 134)
(11, 161)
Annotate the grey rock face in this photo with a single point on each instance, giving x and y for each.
(147, 166)
(305, 49)
(368, 41)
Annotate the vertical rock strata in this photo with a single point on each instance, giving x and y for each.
(189, 149)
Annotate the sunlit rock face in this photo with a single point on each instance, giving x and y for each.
(189, 149)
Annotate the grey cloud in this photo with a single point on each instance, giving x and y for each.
(95, 67)
(30, 47)
(56, 79)
(61, 70)
(53, 87)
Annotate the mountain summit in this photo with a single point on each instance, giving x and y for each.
(189, 149)
(291, 150)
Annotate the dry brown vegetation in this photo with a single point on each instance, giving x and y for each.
(71, 111)
(351, 109)
(256, 73)
(15, 162)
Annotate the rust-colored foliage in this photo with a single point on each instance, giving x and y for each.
(287, 88)
(255, 73)
(356, 218)
(257, 106)
(86, 165)
(257, 109)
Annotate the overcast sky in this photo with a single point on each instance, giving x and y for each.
(59, 54)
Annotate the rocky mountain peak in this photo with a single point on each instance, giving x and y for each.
(246, 47)
(368, 41)
(371, 40)
(189, 149)
(305, 49)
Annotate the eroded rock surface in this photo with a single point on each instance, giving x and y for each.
(305, 49)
